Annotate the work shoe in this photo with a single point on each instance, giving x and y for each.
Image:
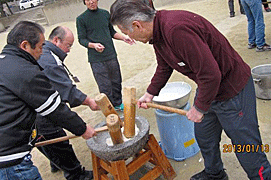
(267, 9)
(265, 47)
(86, 175)
(119, 107)
(251, 45)
(205, 176)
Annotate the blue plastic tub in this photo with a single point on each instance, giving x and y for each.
(177, 135)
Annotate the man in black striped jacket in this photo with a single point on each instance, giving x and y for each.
(24, 92)
(61, 155)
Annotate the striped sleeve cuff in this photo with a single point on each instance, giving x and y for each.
(50, 105)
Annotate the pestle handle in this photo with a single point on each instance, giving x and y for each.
(167, 108)
(64, 138)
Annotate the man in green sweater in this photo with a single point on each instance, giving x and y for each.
(95, 32)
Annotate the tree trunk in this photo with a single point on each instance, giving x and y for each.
(9, 8)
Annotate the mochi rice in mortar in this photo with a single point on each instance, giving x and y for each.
(109, 141)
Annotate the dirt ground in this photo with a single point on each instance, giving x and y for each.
(138, 65)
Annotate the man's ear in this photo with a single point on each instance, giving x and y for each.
(55, 40)
(25, 45)
(137, 25)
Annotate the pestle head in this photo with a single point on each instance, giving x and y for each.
(99, 97)
(112, 120)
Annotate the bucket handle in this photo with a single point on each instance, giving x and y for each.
(257, 81)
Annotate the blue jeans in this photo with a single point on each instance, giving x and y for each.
(237, 117)
(256, 26)
(23, 171)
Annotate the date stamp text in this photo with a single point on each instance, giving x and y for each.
(245, 148)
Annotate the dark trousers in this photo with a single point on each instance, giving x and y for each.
(62, 156)
(231, 7)
(238, 118)
(108, 77)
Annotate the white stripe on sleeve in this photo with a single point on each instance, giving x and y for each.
(47, 103)
(52, 108)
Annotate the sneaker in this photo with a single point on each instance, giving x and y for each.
(267, 9)
(119, 107)
(265, 47)
(251, 45)
(232, 15)
(205, 176)
(54, 169)
(86, 175)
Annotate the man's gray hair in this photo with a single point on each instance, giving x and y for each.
(59, 32)
(124, 12)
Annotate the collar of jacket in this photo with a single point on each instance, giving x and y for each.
(93, 11)
(16, 51)
(156, 28)
(56, 50)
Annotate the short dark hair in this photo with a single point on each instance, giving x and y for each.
(25, 30)
(124, 12)
(57, 32)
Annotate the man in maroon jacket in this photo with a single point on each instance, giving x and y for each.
(225, 98)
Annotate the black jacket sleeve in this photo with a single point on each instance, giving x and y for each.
(38, 93)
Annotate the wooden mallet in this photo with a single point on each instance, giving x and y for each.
(129, 96)
(113, 125)
(106, 106)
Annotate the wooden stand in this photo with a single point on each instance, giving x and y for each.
(120, 171)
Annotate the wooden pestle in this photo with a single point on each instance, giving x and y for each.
(129, 96)
(106, 106)
(113, 124)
